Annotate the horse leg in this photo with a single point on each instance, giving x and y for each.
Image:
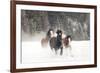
(61, 52)
(56, 51)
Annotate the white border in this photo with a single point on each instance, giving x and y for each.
(48, 8)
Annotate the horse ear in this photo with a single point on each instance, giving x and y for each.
(59, 31)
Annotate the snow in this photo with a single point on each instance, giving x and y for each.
(32, 52)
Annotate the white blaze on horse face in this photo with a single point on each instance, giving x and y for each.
(52, 34)
(59, 33)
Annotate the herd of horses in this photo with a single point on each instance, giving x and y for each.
(57, 40)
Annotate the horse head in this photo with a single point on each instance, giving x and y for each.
(50, 33)
(59, 33)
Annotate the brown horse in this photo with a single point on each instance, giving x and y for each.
(67, 44)
(44, 41)
(67, 41)
(56, 42)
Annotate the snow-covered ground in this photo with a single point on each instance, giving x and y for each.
(32, 52)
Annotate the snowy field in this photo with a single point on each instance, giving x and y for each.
(32, 52)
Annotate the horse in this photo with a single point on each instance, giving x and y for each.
(45, 40)
(56, 42)
(67, 42)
